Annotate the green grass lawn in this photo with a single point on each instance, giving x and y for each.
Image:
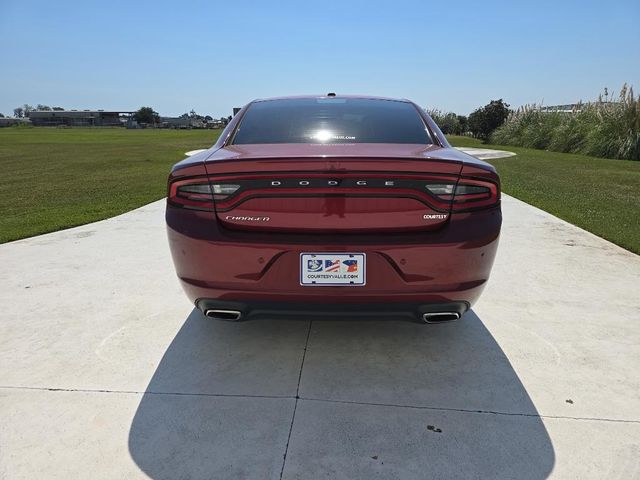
(58, 178)
(599, 195)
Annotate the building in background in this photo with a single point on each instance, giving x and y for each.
(11, 121)
(568, 108)
(78, 118)
(181, 122)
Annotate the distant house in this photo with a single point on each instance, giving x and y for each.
(181, 122)
(214, 123)
(78, 118)
(175, 122)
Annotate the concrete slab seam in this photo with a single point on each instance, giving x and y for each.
(295, 405)
(324, 400)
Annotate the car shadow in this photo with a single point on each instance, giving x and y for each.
(221, 400)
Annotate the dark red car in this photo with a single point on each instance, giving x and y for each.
(333, 206)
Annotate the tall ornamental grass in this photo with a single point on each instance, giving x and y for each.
(608, 129)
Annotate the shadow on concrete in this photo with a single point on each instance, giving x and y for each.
(221, 401)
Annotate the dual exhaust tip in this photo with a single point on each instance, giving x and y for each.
(440, 317)
(227, 315)
(235, 315)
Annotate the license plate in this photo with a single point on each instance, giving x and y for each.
(333, 269)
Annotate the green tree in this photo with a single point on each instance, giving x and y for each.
(483, 121)
(146, 115)
(463, 125)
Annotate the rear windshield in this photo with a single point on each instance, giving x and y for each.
(331, 120)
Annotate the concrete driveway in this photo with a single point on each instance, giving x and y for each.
(107, 371)
(485, 153)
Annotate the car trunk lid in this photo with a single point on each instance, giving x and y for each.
(333, 188)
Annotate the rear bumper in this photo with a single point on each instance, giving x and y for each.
(405, 272)
(367, 311)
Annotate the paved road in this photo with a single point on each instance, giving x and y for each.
(107, 372)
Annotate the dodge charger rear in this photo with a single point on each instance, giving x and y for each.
(333, 206)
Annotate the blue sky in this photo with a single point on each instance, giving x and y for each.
(212, 56)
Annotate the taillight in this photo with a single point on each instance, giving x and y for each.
(192, 193)
(467, 194)
(198, 193)
(473, 194)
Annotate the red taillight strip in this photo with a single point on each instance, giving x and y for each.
(429, 201)
(259, 186)
(424, 197)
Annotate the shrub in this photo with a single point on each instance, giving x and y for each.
(449, 122)
(602, 128)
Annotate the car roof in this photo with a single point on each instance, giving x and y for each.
(364, 97)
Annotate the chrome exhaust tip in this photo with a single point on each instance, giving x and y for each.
(440, 317)
(227, 315)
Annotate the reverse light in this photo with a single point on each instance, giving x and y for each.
(440, 188)
(224, 188)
